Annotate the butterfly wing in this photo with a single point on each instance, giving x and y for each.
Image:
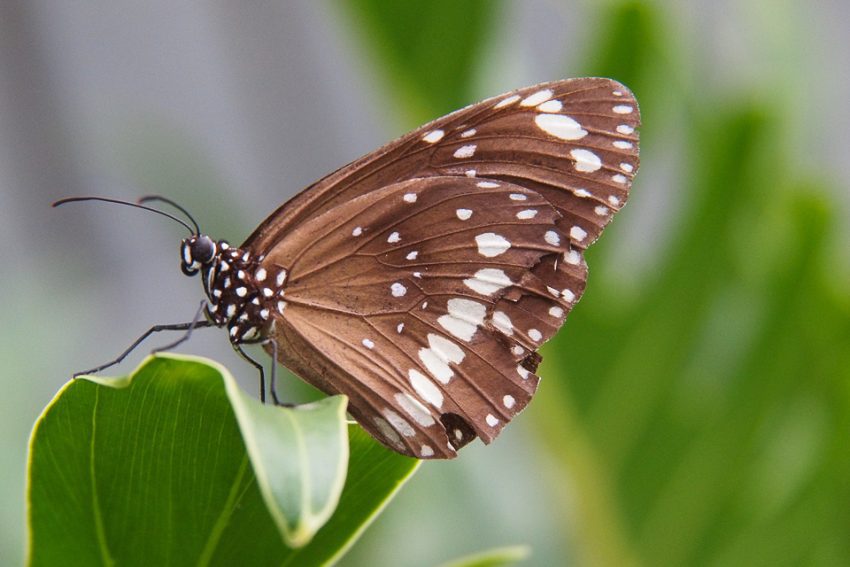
(567, 150)
(404, 299)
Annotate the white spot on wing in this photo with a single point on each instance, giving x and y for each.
(433, 136)
(410, 197)
(623, 109)
(556, 312)
(552, 237)
(412, 255)
(426, 389)
(399, 423)
(388, 433)
(586, 160)
(550, 106)
(623, 145)
(518, 197)
(535, 335)
(619, 178)
(414, 409)
(368, 343)
(526, 214)
(468, 133)
(465, 151)
(463, 214)
(502, 322)
(572, 257)
(464, 318)
(491, 420)
(436, 358)
(398, 290)
(491, 244)
(487, 184)
(537, 98)
(509, 401)
(488, 281)
(357, 231)
(578, 233)
(505, 102)
(560, 126)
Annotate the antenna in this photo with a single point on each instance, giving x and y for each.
(136, 205)
(148, 198)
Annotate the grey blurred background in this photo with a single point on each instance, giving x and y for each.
(231, 108)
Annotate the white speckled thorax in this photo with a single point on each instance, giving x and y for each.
(243, 293)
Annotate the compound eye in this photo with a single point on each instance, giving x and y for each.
(188, 263)
(203, 250)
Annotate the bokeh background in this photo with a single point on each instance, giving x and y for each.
(695, 410)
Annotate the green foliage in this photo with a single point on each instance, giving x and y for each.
(152, 469)
(428, 49)
(501, 557)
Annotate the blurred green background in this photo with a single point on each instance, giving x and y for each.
(695, 409)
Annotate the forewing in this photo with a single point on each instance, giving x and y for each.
(407, 299)
(573, 141)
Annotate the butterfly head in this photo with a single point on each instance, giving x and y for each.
(196, 252)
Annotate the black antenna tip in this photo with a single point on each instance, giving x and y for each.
(62, 201)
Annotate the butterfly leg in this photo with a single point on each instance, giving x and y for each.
(194, 324)
(238, 348)
(272, 383)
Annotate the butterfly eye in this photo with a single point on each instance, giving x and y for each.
(202, 249)
(196, 252)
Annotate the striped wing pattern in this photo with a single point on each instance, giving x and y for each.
(423, 277)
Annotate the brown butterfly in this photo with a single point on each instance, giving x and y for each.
(421, 279)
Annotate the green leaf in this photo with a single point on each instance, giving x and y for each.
(301, 493)
(409, 38)
(499, 557)
(375, 474)
(152, 469)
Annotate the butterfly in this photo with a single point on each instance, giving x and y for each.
(421, 279)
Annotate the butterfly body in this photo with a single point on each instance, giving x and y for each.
(421, 279)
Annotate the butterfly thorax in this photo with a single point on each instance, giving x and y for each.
(242, 292)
